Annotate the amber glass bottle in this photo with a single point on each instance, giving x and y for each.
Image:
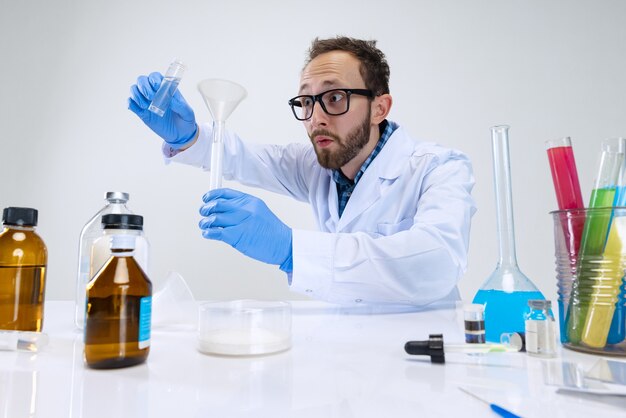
(119, 305)
(23, 259)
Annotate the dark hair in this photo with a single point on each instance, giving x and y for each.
(374, 68)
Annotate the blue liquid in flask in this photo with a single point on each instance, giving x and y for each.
(504, 311)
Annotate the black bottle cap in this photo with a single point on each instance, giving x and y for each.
(19, 216)
(122, 221)
(433, 348)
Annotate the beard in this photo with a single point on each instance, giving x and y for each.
(349, 146)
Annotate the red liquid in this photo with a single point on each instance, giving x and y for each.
(567, 188)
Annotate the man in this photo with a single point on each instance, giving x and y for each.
(393, 212)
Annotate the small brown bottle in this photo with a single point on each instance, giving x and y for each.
(23, 259)
(119, 305)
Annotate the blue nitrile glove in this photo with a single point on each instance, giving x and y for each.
(178, 124)
(248, 225)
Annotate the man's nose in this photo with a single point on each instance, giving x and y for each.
(319, 117)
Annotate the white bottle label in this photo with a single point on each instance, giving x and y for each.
(540, 338)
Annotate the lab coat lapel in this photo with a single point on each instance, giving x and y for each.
(386, 166)
(333, 206)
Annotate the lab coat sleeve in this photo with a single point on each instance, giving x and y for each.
(280, 169)
(414, 266)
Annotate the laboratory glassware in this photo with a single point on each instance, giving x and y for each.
(244, 327)
(566, 185)
(600, 290)
(617, 332)
(115, 202)
(587, 307)
(162, 98)
(22, 340)
(119, 307)
(435, 348)
(474, 320)
(116, 224)
(540, 329)
(507, 290)
(23, 260)
(221, 97)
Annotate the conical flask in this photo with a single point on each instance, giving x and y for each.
(507, 290)
(221, 97)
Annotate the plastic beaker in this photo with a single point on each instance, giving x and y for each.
(244, 327)
(589, 291)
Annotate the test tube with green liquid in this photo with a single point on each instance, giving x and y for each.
(591, 265)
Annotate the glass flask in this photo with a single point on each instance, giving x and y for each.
(506, 292)
(119, 310)
(115, 202)
(23, 260)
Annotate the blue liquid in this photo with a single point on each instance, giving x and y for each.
(163, 97)
(504, 312)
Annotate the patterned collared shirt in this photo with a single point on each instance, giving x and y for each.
(345, 186)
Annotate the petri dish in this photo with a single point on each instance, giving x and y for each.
(244, 327)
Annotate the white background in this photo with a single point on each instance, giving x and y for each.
(547, 68)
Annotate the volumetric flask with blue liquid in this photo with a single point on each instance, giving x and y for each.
(163, 96)
(505, 294)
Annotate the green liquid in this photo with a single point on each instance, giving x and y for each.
(592, 245)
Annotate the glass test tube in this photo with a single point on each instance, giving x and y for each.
(163, 96)
(594, 238)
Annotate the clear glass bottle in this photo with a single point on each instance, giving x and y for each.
(115, 202)
(162, 98)
(23, 260)
(507, 290)
(540, 329)
(119, 310)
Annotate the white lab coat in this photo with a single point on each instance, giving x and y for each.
(403, 236)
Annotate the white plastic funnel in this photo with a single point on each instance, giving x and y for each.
(221, 97)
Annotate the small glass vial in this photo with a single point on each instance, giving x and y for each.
(540, 329)
(162, 98)
(119, 310)
(474, 319)
(23, 260)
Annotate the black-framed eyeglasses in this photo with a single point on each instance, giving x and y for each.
(334, 102)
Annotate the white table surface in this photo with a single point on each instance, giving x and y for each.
(341, 364)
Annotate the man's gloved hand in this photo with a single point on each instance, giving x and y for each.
(247, 224)
(178, 124)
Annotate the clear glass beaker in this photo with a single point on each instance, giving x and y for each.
(507, 290)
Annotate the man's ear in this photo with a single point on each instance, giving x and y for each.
(381, 105)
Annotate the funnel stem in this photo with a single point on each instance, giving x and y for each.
(217, 155)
